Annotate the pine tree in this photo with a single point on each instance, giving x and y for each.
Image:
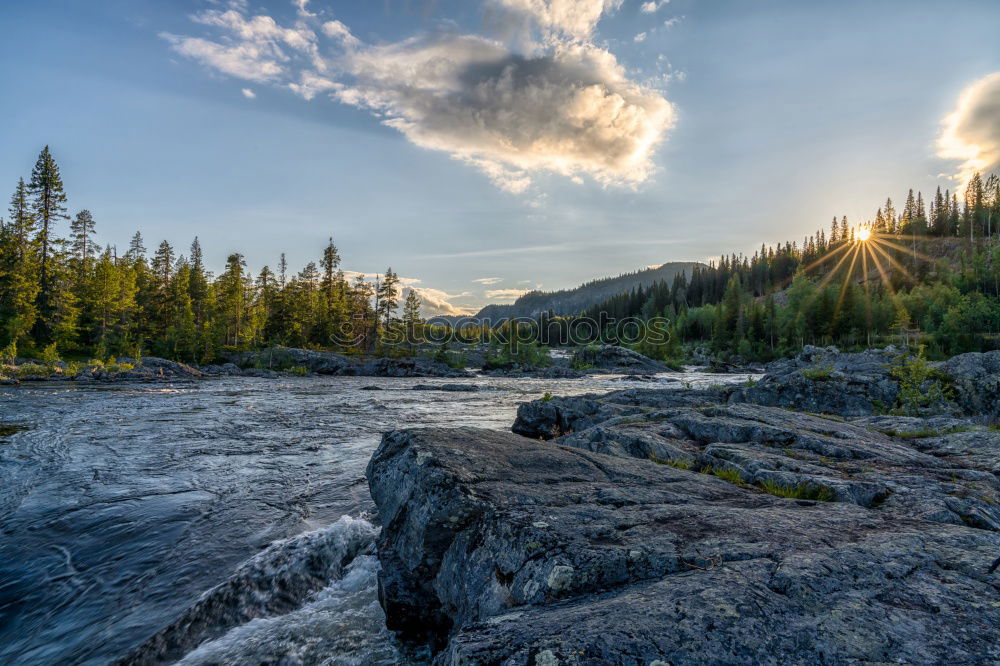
(18, 270)
(198, 287)
(49, 205)
(412, 321)
(388, 297)
(136, 249)
(233, 302)
(82, 230)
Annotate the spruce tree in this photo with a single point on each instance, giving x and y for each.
(18, 270)
(49, 205)
(82, 230)
(411, 316)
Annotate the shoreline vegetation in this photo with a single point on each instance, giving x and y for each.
(926, 274)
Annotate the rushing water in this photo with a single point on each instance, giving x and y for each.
(227, 516)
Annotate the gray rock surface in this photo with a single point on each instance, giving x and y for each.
(498, 549)
(822, 379)
(787, 522)
(616, 360)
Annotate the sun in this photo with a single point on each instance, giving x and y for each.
(864, 233)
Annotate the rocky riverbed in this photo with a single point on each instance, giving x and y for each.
(800, 519)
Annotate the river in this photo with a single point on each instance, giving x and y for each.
(124, 507)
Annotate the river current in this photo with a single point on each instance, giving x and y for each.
(230, 518)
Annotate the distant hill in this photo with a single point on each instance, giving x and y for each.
(575, 301)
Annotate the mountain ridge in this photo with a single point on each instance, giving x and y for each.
(573, 301)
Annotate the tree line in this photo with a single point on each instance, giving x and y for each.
(61, 292)
(930, 275)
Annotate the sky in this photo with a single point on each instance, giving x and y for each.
(481, 148)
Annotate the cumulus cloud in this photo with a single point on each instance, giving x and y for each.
(573, 111)
(505, 294)
(572, 18)
(488, 280)
(971, 132)
(437, 302)
(641, 37)
(651, 7)
(249, 94)
(568, 109)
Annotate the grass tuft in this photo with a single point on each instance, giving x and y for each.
(803, 491)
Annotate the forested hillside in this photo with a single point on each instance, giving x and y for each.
(927, 273)
(578, 299)
(63, 293)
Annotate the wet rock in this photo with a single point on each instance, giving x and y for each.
(146, 369)
(616, 360)
(502, 549)
(275, 581)
(451, 388)
(408, 367)
(284, 358)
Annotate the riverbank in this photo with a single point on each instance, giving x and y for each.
(845, 508)
(280, 362)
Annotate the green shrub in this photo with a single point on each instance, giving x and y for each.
(530, 355)
(33, 370)
(818, 373)
(920, 386)
(299, 370)
(50, 355)
(9, 353)
(547, 397)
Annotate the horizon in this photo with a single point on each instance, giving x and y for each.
(222, 103)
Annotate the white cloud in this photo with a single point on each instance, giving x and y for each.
(671, 22)
(651, 7)
(243, 61)
(505, 294)
(568, 108)
(971, 132)
(249, 94)
(488, 280)
(570, 112)
(437, 302)
(641, 37)
(310, 84)
(341, 33)
(572, 18)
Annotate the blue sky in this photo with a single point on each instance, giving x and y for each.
(742, 122)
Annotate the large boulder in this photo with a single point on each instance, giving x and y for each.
(976, 382)
(822, 379)
(330, 363)
(283, 358)
(615, 360)
(498, 549)
(417, 366)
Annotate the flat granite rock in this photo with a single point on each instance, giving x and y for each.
(499, 549)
